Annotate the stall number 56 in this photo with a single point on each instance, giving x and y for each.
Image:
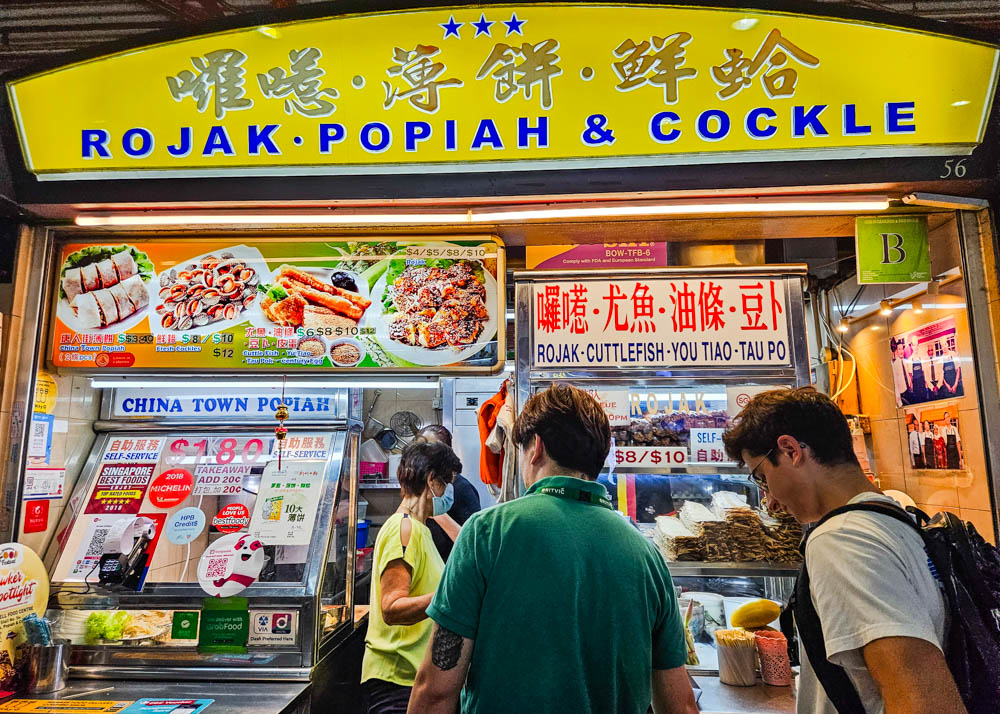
(954, 167)
(251, 452)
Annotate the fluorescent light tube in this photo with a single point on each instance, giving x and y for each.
(219, 383)
(865, 204)
(680, 209)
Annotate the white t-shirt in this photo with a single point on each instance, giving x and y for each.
(869, 579)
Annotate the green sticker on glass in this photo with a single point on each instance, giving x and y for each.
(892, 249)
(225, 625)
(184, 626)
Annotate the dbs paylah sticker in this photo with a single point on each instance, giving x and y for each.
(230, 565)
(171, 488)
(234, 517)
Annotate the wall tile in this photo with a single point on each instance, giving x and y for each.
(974, 489)
(982, 520)
(931, 509)
(86, 402)
(887, 445)
(874, 378)
(892, 480)
(938, 491)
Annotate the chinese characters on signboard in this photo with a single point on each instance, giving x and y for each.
(658, 85)
(218, 81)
(655, 322)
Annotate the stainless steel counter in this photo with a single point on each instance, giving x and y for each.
(718, 698)
(230, 698)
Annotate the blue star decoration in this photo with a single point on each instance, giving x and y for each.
(514, 25)
(451, 27)
(483, 26)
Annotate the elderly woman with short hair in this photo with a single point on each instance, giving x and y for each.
(406, 572)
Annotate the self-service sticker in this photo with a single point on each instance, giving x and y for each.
(185, 525)
(234, 517)
(171, 488)
(230, 565)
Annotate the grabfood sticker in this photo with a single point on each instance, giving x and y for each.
(230, 565)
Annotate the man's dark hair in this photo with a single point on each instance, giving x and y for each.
(425, 457)
(436, 432)
(571, 424)
(804, 414)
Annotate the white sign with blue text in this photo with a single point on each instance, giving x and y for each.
(207, 403)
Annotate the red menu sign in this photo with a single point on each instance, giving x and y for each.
(120, 488)
(661, 322)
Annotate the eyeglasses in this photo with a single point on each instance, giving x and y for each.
(757, 480)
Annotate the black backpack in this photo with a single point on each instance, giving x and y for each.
(968, 569)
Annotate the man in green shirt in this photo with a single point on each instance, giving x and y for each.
(553, 602)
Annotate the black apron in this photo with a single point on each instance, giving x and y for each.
(919, 383)
(929, 452)
(950, 376)
(951, 448)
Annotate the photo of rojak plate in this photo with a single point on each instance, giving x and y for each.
(313, 298)
(104, 287)
(437, 313)
(438, 306)
(209, 289)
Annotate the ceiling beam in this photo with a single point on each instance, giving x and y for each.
(192, 10)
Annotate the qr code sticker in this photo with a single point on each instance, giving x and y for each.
(95, 549)
(40, 430)
(216, 568)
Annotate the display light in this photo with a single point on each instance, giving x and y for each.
(885, 308)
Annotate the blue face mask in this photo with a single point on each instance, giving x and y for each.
(444, 502)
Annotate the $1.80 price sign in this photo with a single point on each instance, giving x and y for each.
(220, 465)
(650, 455)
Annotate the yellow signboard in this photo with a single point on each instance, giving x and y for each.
(507, 87)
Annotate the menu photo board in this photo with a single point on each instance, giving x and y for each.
(277, 305)
(661, 322)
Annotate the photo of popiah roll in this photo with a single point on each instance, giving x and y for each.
(104, 285)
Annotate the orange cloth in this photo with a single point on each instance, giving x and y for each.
(490, 464)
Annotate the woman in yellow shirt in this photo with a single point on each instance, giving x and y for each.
(405, 574)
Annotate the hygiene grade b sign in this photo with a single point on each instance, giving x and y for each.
(504, 87)
(695, 322)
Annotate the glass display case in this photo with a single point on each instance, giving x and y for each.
(669, 406)
(133, 564)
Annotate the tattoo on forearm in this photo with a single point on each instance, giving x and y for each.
(445, 649)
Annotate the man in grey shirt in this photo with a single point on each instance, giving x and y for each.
(882, 613)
